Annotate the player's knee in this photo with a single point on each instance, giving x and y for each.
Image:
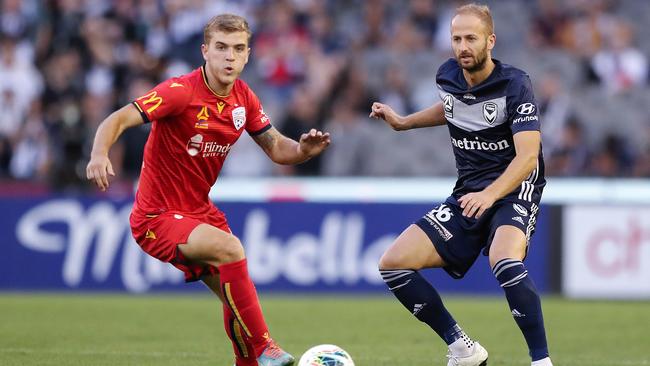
(392, 259)
(229, 250)
(497, 255)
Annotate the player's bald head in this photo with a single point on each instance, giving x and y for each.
(227, 23)
(482, 12)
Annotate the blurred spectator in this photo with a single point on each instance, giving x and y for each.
(304, 114)
(549, 25)
(613, 159)
(554, 107)
(280, 49)
(619, 66)
(570, 157)
(351, 139)
(65, 64)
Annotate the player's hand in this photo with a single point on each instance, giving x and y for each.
(385, 112)
(98, 169)
(476, 203)
(313, 142)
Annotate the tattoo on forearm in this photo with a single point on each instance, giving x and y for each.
(267, 139)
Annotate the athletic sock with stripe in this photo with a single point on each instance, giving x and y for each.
(525, 304)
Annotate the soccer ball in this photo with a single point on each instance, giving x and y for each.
(326, 355)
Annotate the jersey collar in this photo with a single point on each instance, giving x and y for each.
(204, 75)
(493, 74)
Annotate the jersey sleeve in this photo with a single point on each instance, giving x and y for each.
(258, 122)
(523, 113)
(168, 98)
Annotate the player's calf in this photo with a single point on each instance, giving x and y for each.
(524, 303)
(424, 302)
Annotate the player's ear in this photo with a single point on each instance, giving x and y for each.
(248, 54)
(491, 41)
(204, 51)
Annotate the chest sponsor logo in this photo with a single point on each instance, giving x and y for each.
(478, 144)
(202, 118)
(239, 117)
(490, 112)
(526, 109)
(448, 105)
(207, 149)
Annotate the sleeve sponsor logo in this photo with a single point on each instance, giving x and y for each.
(151, 99)
(525, 119)
(526, 109)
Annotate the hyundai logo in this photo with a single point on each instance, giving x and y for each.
(526, 108)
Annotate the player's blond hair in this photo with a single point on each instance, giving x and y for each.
(227, 23)
(480, 11)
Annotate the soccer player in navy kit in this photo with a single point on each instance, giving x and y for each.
(492, 117)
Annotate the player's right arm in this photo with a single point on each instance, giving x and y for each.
(108, 132)
(432, 116)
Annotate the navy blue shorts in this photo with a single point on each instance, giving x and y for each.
(459, 240)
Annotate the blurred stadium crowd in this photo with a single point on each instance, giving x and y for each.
(66, 64)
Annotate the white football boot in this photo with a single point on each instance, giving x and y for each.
(543, 362)
(465, 352)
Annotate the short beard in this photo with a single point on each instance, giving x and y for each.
(479, 65)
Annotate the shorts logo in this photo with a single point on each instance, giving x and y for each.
(490, 112)
(526, 108)
(239, 117)
(436, 217)
(521, 210)
(519, 220)
(448, 105)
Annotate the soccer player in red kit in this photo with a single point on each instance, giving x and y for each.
(196, 118)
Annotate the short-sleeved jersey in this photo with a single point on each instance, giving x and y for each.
(482, 121)
(193, 130)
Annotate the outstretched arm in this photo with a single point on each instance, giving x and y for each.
(283, 150)
(527, 149)
(432, 116)
(108, 132)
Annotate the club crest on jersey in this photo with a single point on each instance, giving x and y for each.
(448, 105)
(239, 117)
(490, 111)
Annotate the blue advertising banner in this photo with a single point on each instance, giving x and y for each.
(82, 243)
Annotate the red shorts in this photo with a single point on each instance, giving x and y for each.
(160, 234)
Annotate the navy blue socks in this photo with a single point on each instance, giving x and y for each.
(524, 304)
(423, 301)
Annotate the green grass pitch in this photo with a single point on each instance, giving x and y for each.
(42, 329)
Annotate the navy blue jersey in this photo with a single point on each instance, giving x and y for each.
(482, 121)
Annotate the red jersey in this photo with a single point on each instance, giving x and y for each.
(193, 130)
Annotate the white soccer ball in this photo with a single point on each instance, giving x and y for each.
(326, 355)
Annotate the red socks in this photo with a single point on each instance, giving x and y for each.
(241, 346)
(241, 297)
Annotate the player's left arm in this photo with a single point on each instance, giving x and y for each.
(286, 151)
(527, 146)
